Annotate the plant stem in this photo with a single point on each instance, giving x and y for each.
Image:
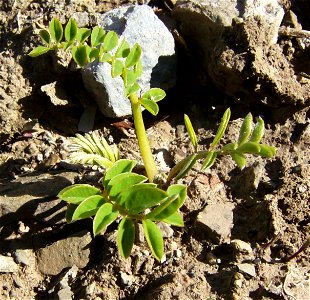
(143, 142)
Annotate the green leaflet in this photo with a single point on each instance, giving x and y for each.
(150, 106)
(175, 219)
(209, 160)
(80, 54)
(93, 55)
(39, 51)
(180, 190)
(267, 151)
(245, 129)
(104, 217)
(239, 159)
(97, 36)
(71, 30)
(123, 49)
(154, 238)
(45, 36)
(140, 197)
(138, 68)
(110, 41)
(121, 166)
(56, 30)
(125, 236)
(82, 34)
(249, 147)
(134, 56)
(229, 147)
(191, 131)
(70, 211)
(167, 207)
(182, 167)
(222, 128)
(117, 68)
(88, 207)
(123, 181)
(258, 131)
(132, 89)
(154, 94)
(76, 193)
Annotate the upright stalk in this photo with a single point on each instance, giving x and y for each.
(143, 142)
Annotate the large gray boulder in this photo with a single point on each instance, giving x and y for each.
(138, 24)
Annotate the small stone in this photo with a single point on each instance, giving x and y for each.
(25, 257)
(211, 258)
(165, 229)
(65, 294)
(127, 279)
(242, 249)
(217, 219)
(177, 253)
(7, 265)
(74, 250)
(247, 269)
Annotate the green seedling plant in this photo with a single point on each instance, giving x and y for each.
(123, 195)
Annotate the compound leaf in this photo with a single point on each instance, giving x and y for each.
(125, 236)
(104, 217)
(76, 193)
(154, 238)
(88, 207)
(56, 30)
(71, 30)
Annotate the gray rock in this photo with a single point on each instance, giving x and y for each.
(217, 219)
(138, 24)
(242, 250)
(165, 229)
(74, 250)
(7, 264)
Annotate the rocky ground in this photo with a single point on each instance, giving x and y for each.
(244, 229)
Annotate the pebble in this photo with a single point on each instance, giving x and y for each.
(127, 279)
(8, 265)
(247, 269)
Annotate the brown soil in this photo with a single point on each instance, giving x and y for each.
(271, 197)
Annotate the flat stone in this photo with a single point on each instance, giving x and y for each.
(138, 24)
(7, 264)
(217, 219)
(74, 250)
(34, 196)
(25, 257)
(247, 269)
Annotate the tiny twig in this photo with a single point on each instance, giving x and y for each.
(293, 32)
(305, 245)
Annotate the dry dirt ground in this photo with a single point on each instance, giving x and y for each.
(270, 198)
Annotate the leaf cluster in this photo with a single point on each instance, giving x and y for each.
(248, 143)
(87, 45)
(126, 196)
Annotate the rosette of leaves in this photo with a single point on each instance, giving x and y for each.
(249, 142)
(126, 197)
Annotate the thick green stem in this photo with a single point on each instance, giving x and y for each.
(144, 145)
